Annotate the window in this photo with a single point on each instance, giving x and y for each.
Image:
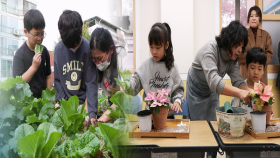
(9, 24)
(228, 11)
(6, 68)
(27, 6)
(271, 6)
(12, 7)
(3, 6)
(8, 46)
(127, 10)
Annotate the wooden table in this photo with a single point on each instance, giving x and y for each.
(247, 145)
(201, 140)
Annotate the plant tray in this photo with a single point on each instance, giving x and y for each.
(264, 135)
(136, 133)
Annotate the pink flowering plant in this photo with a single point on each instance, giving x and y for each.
(262, 95)
(158, 99)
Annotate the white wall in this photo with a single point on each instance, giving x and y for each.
(204, 22)
(192, 22)
(179, 15)
(149, 14)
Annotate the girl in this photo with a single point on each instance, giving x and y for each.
(103, 53)
(160, 71)
(211, 63)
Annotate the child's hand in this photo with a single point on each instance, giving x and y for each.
(36, 60)
(176, 107)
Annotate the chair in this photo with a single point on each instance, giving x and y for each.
(136, 105)
(185, 110)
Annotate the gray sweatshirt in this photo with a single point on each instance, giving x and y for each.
(153, 76)
(215, 64)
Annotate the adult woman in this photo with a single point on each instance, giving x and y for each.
(103, 53)
(256, 38)
(215, 59)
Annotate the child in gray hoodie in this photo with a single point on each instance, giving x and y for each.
(159, 71)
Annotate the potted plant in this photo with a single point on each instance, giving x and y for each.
(263, 99)
(159, 106)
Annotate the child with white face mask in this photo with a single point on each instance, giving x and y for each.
(104, 55)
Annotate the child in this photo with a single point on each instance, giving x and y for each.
(33, 67)
(255, 65)
(74, 72)
(160, 71)
(212, 62)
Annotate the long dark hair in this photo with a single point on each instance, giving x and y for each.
(159, 34)
(232, 35)
(102, 40)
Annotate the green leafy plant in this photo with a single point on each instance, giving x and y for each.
(39, 48)
(17, 107)
(86, 143)
(36, 144)
(69, 117)
(125, 85)
(103, 103)
(14, 95)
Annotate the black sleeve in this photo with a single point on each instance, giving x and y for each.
(48, 65)
(18, 66)
(92, 90)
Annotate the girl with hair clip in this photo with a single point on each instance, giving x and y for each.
(104, 55)
(160, 71)
(212, 62)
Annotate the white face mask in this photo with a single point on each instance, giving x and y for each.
(103, 66)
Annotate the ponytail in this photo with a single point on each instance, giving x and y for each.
(169, 58)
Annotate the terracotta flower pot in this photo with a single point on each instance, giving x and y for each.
(160, 118)
(265, 108)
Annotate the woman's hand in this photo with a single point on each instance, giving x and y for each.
(244, 95)
(94, 122)
(176, 107)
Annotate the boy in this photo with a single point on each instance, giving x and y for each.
(33, 67)
(74, 72)
(255, 64)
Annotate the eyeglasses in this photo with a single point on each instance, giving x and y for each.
(98, 60)
(42, 36)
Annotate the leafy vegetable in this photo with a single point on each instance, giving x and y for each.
(103, 103)
(38, 48)
(14, 95)
(22, 131)
(85, 143)
(34, 145)
(49, 94)
(69, 117)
